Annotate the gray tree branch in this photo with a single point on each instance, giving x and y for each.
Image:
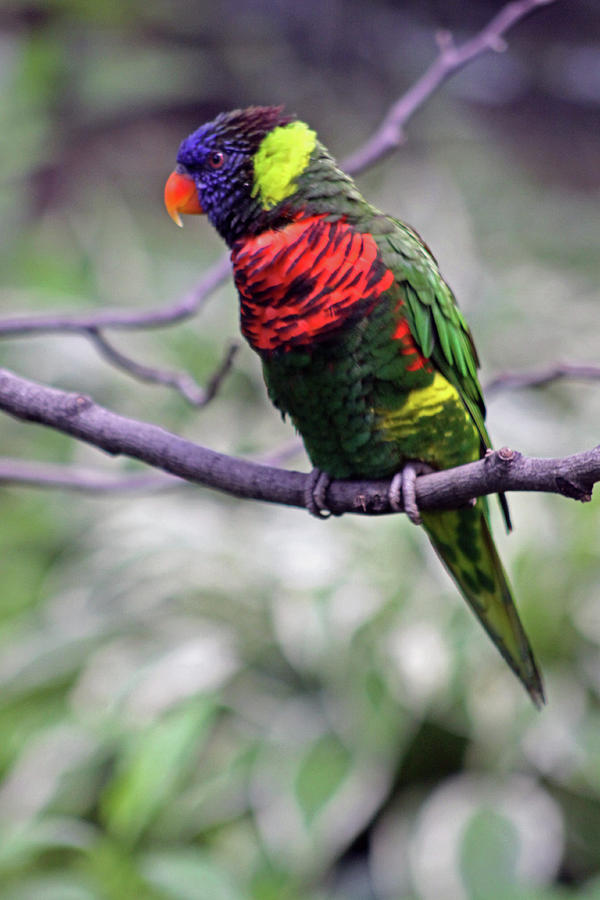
(450, 59)
(78, 478)
(183, 382)
(81, 418)
(184, 308)
(541, 377)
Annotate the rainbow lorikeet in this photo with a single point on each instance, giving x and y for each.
(361, 341)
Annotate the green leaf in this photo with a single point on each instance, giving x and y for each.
(488, 856)
(156, 762)
(22, 843)
(115, 872)
(50, 887)
(189, 875)
(321, 773)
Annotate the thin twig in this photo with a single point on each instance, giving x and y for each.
(450, 59)
(218, 376)
(187, 386)
(78, 416)
(539, 377)
(282, 454)
(76, 478)
(170, 314)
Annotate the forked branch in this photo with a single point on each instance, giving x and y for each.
(450, 59)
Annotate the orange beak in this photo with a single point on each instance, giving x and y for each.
(181, 196)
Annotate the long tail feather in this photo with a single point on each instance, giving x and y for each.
(463, 541)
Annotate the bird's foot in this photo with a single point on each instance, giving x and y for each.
(402, 494)
(315, 494)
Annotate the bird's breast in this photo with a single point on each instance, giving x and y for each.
(300, 284)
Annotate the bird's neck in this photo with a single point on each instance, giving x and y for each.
(320, 190)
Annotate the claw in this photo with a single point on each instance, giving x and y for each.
(315, 494)
(402, 494)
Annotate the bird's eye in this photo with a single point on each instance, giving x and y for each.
(216, 159)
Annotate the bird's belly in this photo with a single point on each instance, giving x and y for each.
(355, 424)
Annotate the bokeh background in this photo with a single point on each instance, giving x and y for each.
(209, 699)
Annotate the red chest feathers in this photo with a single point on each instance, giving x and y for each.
(301, 283)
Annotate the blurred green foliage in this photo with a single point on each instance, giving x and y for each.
(205, 699)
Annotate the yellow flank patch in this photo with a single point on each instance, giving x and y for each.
(281, 158)
(420, 403)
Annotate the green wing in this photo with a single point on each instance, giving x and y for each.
(435, 320)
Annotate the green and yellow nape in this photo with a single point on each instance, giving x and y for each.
(281, 158)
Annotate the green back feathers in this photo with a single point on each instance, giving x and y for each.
(434, 318)
(437, 323)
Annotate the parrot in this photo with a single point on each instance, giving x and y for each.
(362, 344)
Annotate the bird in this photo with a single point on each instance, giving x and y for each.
(362, 343)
